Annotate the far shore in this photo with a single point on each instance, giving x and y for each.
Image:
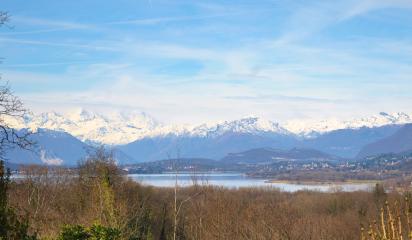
(321, 182)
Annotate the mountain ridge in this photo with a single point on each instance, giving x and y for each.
(400, 141)
(259, 155)
(119, 128)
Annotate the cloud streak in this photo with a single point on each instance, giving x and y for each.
(51, 23)
(314, 17)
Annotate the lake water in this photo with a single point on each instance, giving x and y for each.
(237, 180)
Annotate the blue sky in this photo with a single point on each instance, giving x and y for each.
(192, 61)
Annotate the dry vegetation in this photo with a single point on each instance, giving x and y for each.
(98, 193)
(394, 222)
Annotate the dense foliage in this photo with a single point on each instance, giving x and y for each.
(12, 226)
(95, 232)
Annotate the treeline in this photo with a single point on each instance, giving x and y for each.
(97, 201)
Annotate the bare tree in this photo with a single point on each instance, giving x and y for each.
(177, 206)
(11, 107)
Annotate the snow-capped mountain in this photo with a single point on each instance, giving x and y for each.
(315, 128)
(211, 140)
(119, 128)
(123, 127)
(251, 125)
(138, 137)
(114, 128)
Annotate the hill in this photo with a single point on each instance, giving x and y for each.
(400, 141)
(51, 148)
(271, 155)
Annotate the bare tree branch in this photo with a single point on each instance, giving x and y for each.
(4, 18)
(12, 107)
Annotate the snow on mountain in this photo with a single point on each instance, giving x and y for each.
(113, 128)
(211, 140)
(314, 128)
(124, 127)
(251, 125)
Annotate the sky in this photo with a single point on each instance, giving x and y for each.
(196, 61)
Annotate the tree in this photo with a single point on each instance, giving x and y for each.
(11, 225)
(11, 107)
(178, 230)
(140, 225)
(100, 175)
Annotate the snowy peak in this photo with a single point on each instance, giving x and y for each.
(88, 126)
(116, 128)
(379, 120)
(253, 125)
(313, 128)
(82, 115)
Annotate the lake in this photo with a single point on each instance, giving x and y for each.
(237, 180)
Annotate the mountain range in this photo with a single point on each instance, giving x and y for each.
(137, 137)
(91, 127)
(117, 128)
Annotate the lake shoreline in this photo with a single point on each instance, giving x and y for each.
(265, 180)
(314, 182)
(240, 180)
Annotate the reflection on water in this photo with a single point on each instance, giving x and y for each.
(237, 180)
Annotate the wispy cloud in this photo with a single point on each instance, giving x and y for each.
(313, 17)
(364, 6)
(213, 12)
(48, 26)
(56, 44)
(49, 30)
(44, 64)
(287, 98)
(159, 20)
(25, 20)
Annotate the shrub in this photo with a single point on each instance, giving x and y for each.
(11, 226)
(95, 232)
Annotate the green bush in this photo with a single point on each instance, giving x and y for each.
(95, 232)
(74, 232)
